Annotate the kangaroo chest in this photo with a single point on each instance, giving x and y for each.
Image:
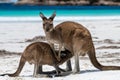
(53, 41)
(52, 38)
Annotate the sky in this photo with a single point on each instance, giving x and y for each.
(14, 0)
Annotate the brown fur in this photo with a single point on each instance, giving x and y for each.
(76, 38)
(40, 53)
(50, 31)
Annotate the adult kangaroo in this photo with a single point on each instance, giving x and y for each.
(40, 53)
(75, 38)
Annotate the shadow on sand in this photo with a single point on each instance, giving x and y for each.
(53, 73)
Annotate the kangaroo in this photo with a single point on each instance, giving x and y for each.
(51, 33)
(40, 53)
(76, 38)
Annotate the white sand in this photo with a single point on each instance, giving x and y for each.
(13, 35)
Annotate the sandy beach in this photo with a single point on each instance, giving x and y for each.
(15, 36)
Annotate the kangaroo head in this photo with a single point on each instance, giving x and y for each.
(47, 22)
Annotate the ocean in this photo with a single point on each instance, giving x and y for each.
(33, 10)
(11, 12)
(63, 12)
(19, 23)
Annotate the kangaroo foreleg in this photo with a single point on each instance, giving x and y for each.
(68, 66)
(40, 71)
(59, 53)
(36, 68)
(52, 46)
(76, 67)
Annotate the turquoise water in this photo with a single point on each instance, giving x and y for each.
(31, 10)
(60, 12)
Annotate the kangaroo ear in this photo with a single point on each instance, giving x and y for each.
(42, 16)
(53, 16)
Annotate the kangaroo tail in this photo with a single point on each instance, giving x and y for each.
(95, 62)
(21, 64)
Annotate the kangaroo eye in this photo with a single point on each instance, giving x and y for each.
(51, 24)
(43, 24)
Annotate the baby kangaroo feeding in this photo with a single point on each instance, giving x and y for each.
(40, 53)
(75, 38)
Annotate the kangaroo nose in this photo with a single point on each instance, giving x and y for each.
(47, 29)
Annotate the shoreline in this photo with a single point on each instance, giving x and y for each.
(58, 18)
